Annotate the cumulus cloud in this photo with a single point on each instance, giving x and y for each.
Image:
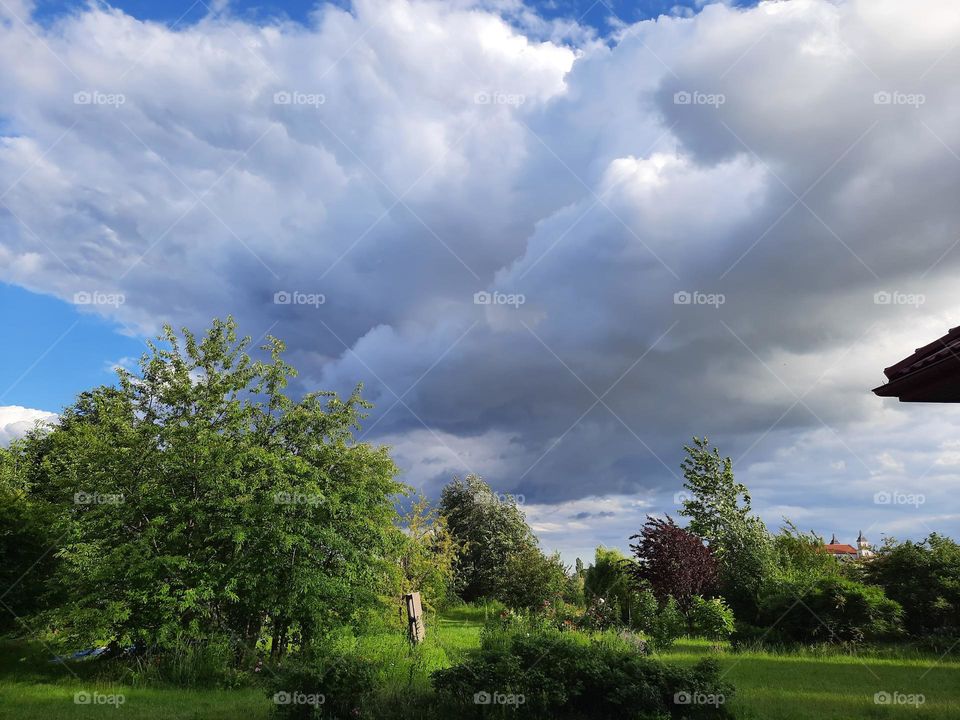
(16, 421)
(726, 223)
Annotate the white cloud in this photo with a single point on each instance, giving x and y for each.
(15, 421)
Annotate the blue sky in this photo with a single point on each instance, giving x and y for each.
(53, 350)
(596, 13)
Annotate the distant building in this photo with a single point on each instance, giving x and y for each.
(847, 553)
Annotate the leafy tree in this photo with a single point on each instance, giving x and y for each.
(924, 577)
(488, 529)
(27, 546)
(427, 554)
(609, 578)
(673, 562)
(531, 580)
(719, 511)
(196, 497)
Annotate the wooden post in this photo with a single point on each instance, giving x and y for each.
(417, 630)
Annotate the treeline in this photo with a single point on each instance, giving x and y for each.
(195, 500)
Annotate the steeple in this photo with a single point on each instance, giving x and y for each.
(833, 539)
(862, 541)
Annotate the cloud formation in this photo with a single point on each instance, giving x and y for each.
(15, 421)
(723, 224)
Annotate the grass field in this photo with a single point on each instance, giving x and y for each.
(770, 686)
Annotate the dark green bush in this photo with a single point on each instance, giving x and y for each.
(334, 685)
(554, 674)
(833, 610)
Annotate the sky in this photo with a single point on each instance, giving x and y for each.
(554, 241)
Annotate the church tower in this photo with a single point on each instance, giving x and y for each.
(863, 547)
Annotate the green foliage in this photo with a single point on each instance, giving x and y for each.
(531, 580)
(328, 685)
(609, 578)
(197, 498)
(711, 618)
(665, 626)
(488, 530)
(27, 544)
(719, 511)
(924, 577)
(833, 610)
(584, 677)
(427, 555)
(801, 557)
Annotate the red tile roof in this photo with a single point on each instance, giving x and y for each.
(840, 549)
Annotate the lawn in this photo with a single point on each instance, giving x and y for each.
(770, 685)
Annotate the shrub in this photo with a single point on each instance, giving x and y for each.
(335, 685)
(711, 618)
(552, 674)
(832, 610)
(924, 577)
(661, 625)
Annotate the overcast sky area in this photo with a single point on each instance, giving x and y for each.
(719, 220)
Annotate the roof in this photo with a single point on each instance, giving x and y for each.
(840, 549)
(930, 374)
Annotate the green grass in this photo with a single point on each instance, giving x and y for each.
(835, 686)
(770, 685)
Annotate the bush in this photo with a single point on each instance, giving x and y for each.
(832, 610)
(924, 577)
(661, 625)
(711, 618)
(552, 674)
(335, 685)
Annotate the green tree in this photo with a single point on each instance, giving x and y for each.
(718, 509)
(27, 546)
(488, 528)
(531, 580)
(609, 578)
(427, 554)
(196, 498)
(924, 577)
